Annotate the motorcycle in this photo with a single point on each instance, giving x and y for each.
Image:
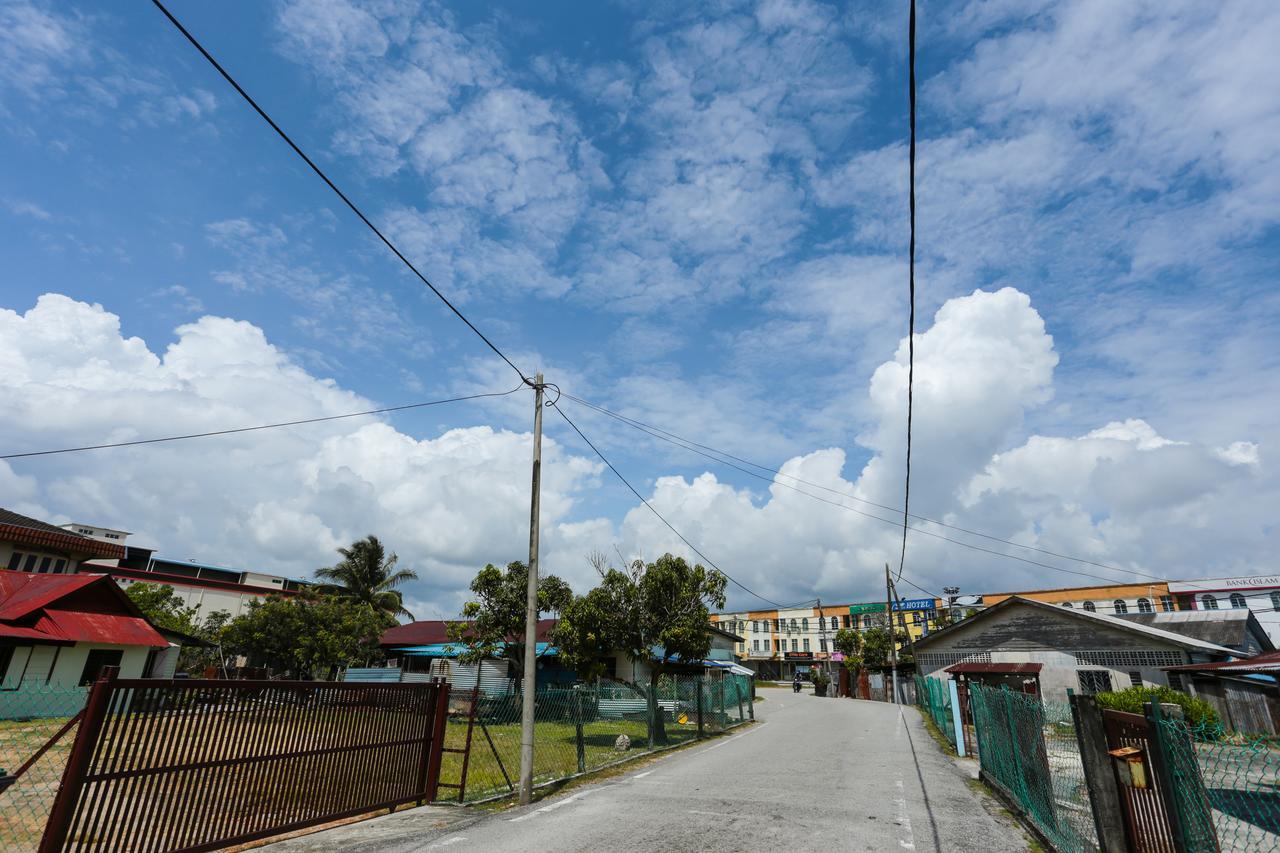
(795, 686)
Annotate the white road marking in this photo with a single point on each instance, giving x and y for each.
(708, 814)
(550, 807)
(731, 738)
(642, 775)
(908, 839)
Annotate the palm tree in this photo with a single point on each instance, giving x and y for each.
(367, 575)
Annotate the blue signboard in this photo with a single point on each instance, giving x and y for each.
(914, 604)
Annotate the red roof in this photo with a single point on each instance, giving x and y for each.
(39, 534)
(71, 609)
(431, 631)
(976, 668)
(1268, 662)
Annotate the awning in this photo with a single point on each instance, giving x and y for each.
(975, 668)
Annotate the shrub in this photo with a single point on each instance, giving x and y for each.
(1198, 712)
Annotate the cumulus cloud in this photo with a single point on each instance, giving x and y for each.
(279, 500)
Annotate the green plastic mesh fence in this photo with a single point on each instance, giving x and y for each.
(583, 727)
(30, 717)
(934, 698)
(1227, 786)
(1029, 749)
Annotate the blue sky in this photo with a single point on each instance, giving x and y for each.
(694, 215)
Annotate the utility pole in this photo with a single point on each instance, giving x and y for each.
(893, 642)
(531, 609)
(822, 626)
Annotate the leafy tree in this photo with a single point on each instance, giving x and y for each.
(496, 616)
(367, 575)
(306, 637)
(166, 609)
(848, 642)
(875, 648)
(655, 613)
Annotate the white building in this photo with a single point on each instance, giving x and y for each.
(1260, 594)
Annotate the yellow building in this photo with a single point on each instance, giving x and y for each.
(1113, 600)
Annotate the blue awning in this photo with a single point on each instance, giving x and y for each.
(452, 650)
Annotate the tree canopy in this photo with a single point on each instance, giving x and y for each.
(306, 637)
(166, 609)
(366, 574)
(495, 617)
(875, 648)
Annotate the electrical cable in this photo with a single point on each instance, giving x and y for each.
(707, 452)
(659, 515)
(259, 426)
(911, 277)
(320, 172)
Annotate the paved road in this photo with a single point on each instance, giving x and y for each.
(813, 774)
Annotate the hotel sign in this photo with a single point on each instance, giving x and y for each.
(906, 604)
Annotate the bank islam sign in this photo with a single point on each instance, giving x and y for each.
(904, 604)
(1224, 583)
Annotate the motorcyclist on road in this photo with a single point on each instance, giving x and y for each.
(795, 684)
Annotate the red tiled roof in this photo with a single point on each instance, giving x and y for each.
(37, 534)
(71, 609)
(428, 632)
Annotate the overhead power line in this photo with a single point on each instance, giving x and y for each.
(659, 515)
(911, 278)
(234, 430)
(346, 200)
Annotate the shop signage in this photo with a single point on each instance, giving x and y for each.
(798, 656)
(855, 609)
(906, 604)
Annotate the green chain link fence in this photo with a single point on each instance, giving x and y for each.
(934, 698)
(29, 718)
(587, 726)
(1029, 749)
(1227, 786)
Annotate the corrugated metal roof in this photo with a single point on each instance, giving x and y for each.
(15, 527)
(977, 668)
(72, 608)
(452, 650)
(1267, 662)
(430, 631)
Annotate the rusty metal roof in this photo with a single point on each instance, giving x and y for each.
(977, 668)
(1268, 662)
(71, 609)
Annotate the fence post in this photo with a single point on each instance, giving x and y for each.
(956, 719)
(1185, 799)
(700, 707)
(1099, 776)
(651, 703)
(436, 745)
(577, 725)
(64, 803)
(737, 689)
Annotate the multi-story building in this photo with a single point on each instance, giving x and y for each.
(778, 643)
(1113, 600)
(1260, 595)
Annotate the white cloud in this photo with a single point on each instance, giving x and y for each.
(279, 500)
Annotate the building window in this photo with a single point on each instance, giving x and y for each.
(806, 644)
(45, 563)
(793, 625)
(30, 565)
(835, 625)
(795, 644)
(1209, 602)
(778, 645)
(822, 643)
(848, 620)
(1135, 678)
(1144, 606)
(1166, 603)
(1120, 606)
(1175, 680)
(804, 624)
(112, 535)
(1088, 605)
(98, 658)
(742, 648)
(1094, 681)
(755, 645)
(15, 563)
(1237, 600)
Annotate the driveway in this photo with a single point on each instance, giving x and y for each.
(811, 774)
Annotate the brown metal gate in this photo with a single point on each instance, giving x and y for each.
(198, 765)
(1148, 824)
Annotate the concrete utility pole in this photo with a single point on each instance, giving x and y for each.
(893, 643)
(531, 609)
(822, 626)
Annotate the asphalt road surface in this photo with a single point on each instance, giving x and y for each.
(811, 774)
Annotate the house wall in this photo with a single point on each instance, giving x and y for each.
(1062, 646)
(32, 664)
(6, 554)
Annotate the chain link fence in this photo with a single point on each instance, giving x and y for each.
(585, 727)
(934, 698)
(30, 765)
(1029, 749)
(1227, 785)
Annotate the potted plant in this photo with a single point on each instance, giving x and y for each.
(820, 682)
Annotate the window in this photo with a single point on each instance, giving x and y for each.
(1068, 605)
(755, 645)
(1237, 600)
(86, 530)
(1120, 606)
(59, 566)
(822, 644)
(795, 644)
(15, 561)
(98, 658)
(778, 645)
(804, 624)
(742, 648)
(806, 644)
(793, 624)
(1275, 601)
(1094, 681)
(1088, 605)
(1135, 678)
(1175, 680)
(30, 564)
(848, 620)
(45, 563)
(853, 622)
(1144, 606)
(1166, 603)
(1209, 602)
(112, 535)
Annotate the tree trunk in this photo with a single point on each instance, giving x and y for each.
(656, 722)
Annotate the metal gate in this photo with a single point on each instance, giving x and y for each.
(1147, 822)
(198, 765)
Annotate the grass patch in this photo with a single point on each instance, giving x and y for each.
(936, 733)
